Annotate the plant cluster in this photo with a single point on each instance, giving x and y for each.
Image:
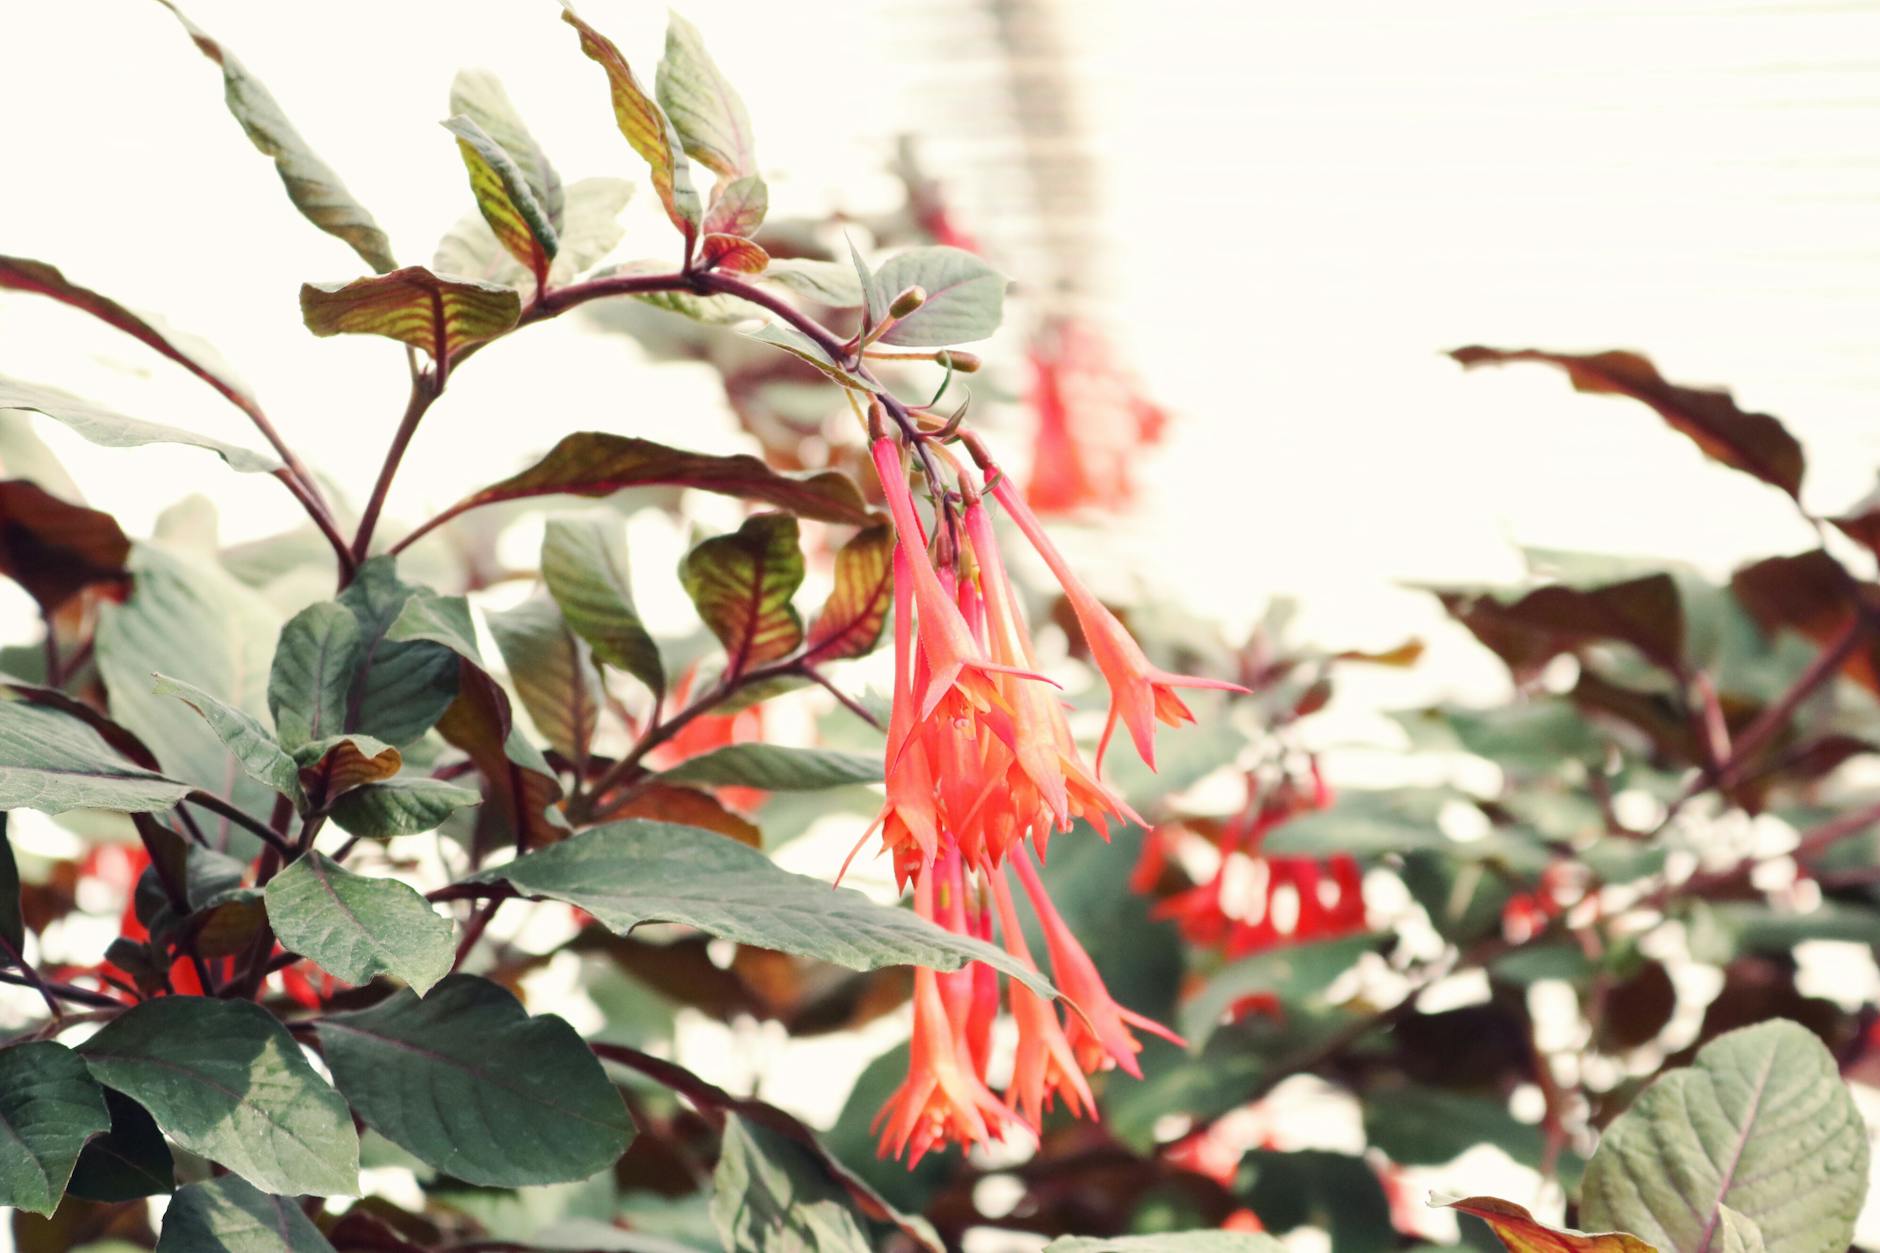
(316, 824)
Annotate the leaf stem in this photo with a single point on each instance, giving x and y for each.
(425, 389)
(269, 836)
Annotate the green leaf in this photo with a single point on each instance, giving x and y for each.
(808, 351)
(406, 806)
(1296, 974)
(358, 927)
(629, 873)
(584, 563)
(965, 296)
(129, 1161)
(1420, 1126)
(470, 1084)
(479, 95)
(412, 306)
(552, 672)
(742, 584)
(588, 230)
(826, 282)
(851, 619)
(53, 763)
(252, 744)
(738, 207)
(874, 300)
(53, 548)
(1168, 1242)
(1754, 443)
(504, 198)
(702, 105)
(109, 429)
(770, 1196)
(315, 190)
(311, 680)
(188, 619)
(776, 768)
(646, 127)
(227, 1215)
(399, 690)
(522, 788)
(1760, 1124)
(49, 1107)
(593, 463)
(225, 1080)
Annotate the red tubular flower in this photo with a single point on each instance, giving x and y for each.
(954, 660)
(943, 1098)
(1140, 693)
(1046, 1065)
(1099, 1027)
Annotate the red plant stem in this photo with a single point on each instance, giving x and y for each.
(63, 991)
(473, 930)
(272, 838)
(1826, 665)
(425, 389)
(31, 976)
(321, 517)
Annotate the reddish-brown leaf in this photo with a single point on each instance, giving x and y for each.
(688, 807)
(413, 306)
(1522, 1233)
(594, 463)
(742, 586)
(53, 548)
(1754, 443)
(1530, 632)
(1812, 594)
(728, 252)
(517, 797)
(851, 619)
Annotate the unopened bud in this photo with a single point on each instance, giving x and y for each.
(953, 359)
(908, 301)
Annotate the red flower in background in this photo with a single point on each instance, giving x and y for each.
(1290, 900)
(1093, 421)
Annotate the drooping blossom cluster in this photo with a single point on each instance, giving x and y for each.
(981, 771)
(1253, 901)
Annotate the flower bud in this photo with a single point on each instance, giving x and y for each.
(908, 301)
(962, 362)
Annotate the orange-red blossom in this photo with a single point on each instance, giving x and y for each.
(980, 763)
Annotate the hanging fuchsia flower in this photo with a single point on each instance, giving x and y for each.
(1140, 693)
(981, 763)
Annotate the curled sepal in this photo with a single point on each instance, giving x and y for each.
(413, 306)
(1521, 1232)
(521, 224)
(646, 127)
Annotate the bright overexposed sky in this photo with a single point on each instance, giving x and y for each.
(1292, 210)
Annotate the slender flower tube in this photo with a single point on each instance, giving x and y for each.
(1140, 693)
(1099, 1028)
(1045, 1065)
(943, 1098)
(953, 657)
